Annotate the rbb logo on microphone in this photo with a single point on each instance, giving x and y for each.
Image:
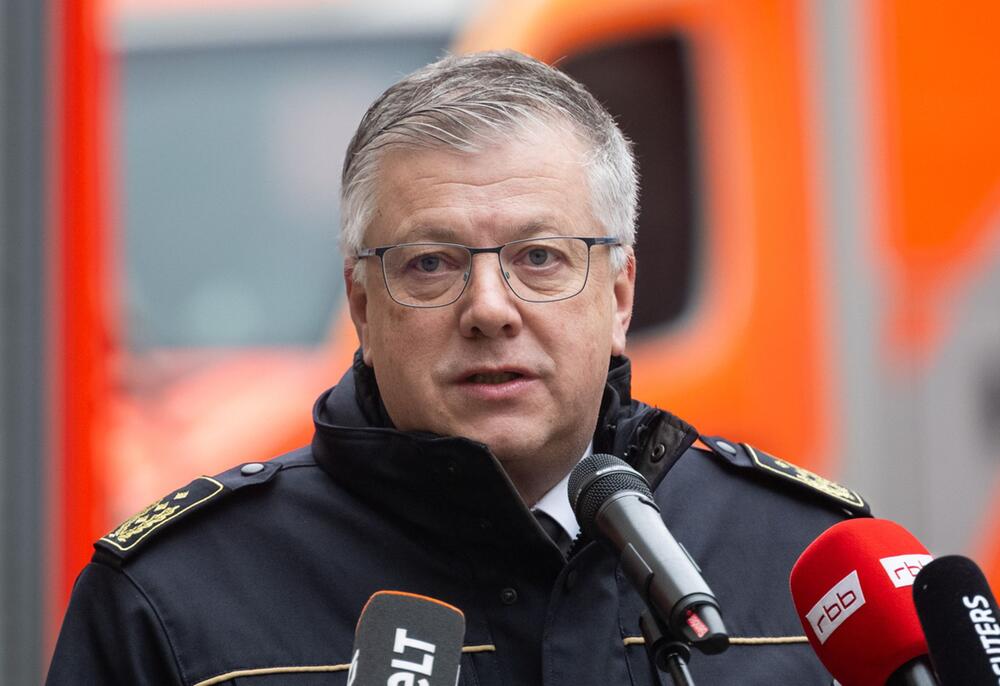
(903, 569)
(833, 609)
(865, 637)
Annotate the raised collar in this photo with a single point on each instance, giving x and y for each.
(451, 485)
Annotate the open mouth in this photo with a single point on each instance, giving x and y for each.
(493, 377)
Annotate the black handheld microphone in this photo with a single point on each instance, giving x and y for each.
(961, 621)
(403, 639)
(613, 503)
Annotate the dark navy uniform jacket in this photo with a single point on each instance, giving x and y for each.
(257, 576)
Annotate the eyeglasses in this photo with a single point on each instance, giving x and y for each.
(536, 269)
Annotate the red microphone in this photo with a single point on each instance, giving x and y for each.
(852, 591)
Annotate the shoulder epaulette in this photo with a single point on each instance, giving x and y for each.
(135, 532)
(746, 456)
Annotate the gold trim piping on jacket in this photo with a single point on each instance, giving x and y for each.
(488, 648)
(303, 669)
(273, 670)
(737, 640)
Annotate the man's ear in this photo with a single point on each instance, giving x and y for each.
(357, 299)
(624, 292)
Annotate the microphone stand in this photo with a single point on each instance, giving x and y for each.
(665, 652)
(916, 672)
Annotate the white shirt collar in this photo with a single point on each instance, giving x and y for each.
(555, 503)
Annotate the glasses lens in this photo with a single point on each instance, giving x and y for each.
(426, 274)
(543, 269)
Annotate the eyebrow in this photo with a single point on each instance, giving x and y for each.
(535, 227)
(433, 233)
(441, 234)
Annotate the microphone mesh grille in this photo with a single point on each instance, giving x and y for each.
(588, 494)
(586, 468)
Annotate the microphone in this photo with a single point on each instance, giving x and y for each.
(403, 639)
(851, 589)
(613, 503)
(961, 621)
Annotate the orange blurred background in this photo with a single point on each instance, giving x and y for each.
(819, 242)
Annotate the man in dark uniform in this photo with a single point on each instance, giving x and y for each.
(489, 207)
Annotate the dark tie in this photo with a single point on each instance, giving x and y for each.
(554, 530)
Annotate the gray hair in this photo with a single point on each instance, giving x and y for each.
(463, 102)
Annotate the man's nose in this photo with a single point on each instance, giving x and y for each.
(488, 307)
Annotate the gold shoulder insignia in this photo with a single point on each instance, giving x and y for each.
(791, 472)
(135, 529)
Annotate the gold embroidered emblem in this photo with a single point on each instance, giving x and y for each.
(154, 515)
(804, 476)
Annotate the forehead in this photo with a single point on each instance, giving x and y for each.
(534, 183)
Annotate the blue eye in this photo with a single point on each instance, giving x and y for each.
(429, 263)
(538, 256)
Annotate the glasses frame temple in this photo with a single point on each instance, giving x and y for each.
(369, 252)
(602, 240)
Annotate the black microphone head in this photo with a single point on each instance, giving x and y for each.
(595, 479)
(407, 638)
(961, 621)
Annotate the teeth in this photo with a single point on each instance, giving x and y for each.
(494, 378)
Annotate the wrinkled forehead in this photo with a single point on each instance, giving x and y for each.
(530, 184)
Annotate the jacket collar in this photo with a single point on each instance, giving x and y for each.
(454, 484)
